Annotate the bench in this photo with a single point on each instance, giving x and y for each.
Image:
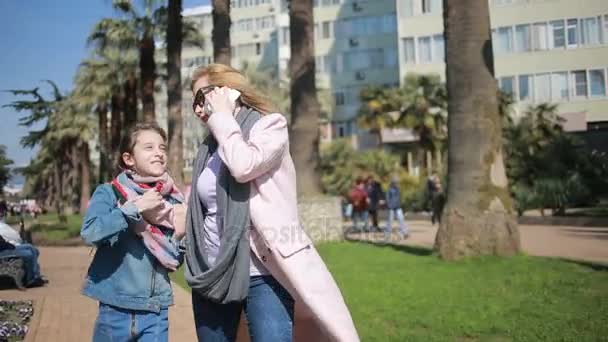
(12, 266)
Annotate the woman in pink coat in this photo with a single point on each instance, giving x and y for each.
(245, 247)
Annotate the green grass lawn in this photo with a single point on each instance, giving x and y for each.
(408, 294)
(48, 230)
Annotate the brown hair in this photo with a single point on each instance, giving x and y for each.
(221, 75)
(127, 142)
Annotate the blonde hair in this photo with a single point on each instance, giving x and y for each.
(221, 75)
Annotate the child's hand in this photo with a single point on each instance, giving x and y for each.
(179, 225)
(151, 199)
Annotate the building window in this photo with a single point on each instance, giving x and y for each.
(258, 49)
(438, 48)
(559, 86)
(572, 32)
(542, 87)
(407, 8)
(326, 29)
(597, 82)
(284, 35)
(330, 65)
(430, 6)
(409, 50)
(525, 88)
(319, 64)
(539, 36)
(507, 85)
(559, 33)
(504, 40)
(339, 98)
(390, 57)
(522, 38)
(590, 31)
(579, 83)
(605, 30)
(424, 49)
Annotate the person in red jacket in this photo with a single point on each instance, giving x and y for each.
(360, 201)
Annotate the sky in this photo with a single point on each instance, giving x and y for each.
(43, 40)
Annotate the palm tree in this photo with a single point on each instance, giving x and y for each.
(377, 105)
(134, 31)
(424, 111)
(174, 89)
(5, 171)
(101, 84)
(221, 31)
(305, 108)
(479, 215)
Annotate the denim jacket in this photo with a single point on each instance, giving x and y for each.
(123, 272)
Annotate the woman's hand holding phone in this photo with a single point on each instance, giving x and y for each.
(221, 100)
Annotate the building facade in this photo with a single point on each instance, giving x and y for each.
(545, 51)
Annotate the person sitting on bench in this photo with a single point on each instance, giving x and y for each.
(29, 254)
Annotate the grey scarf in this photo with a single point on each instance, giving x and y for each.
(228, 280)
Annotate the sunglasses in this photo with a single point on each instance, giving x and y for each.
(199, 98)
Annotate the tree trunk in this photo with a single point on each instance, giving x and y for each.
(58, 193)
(85, 178)
(147, 67)
(479, 216)
(116, 130)
(174, 91)
(221, 31)
(104, 146)
(130, 101)
(305, 108)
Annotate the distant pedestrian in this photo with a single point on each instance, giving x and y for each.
(393, 204)
(358, 198)
(438, 200)
(376, 198)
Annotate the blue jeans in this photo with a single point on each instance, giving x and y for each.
(360, 216)
(116, 324)
(268, 308)
(29, 254)
(389, 225)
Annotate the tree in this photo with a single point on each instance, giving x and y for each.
(221, 31)
(305, 108)
(137, 31)
(479, 216)
(5, 170)
(62, 164)
(174, 89)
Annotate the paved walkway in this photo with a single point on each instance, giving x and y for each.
(576, 243)
(62, 314)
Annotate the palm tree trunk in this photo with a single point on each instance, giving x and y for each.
(116, 130)
(130, 101)
(305, 108)
(221, 31)
(104, 148)
(85, 177)
(479, 217)
(174, 90)
(58, 193)
(147, 67)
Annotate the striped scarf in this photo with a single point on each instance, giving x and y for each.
(157, 231)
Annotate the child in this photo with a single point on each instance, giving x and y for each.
(135, 222)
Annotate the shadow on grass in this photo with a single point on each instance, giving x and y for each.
(415, 250)
(596, 266)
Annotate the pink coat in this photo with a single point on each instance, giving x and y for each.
(278, 239)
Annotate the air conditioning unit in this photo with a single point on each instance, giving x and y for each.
(360, 75)
(353, 42)
(357, 7)
(271, 9)
(255, 35)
